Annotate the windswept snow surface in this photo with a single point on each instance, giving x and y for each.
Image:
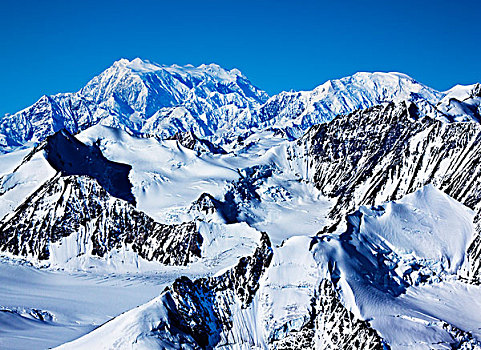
(168, 177)
(426, 225)
(21, 179)
(42, 308)
(129, 330)
(396, 266)
(165, 175)
(9, 161)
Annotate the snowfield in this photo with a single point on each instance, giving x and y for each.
(43, 308)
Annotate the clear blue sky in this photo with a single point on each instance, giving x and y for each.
(48, 47)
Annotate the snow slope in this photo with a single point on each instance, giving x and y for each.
(21, 179)
(397, 266)
(447, 228)
(41, 308)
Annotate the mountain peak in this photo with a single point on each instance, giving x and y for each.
(137, 64)
(213, 69)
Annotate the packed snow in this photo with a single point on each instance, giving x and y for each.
(20, 180)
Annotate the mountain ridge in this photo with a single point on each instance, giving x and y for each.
(147, 98)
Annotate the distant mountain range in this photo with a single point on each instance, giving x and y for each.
(149, 99)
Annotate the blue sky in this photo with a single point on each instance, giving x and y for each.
(48, 47)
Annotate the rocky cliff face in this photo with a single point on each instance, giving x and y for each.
(385, 152)
(331, 326)
(190, 141)
(76, 215)
(205, 308)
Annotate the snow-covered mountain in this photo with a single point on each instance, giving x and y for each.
(387, 151)
(73, 216)
(141, 97)
(342, 96)
(346, 217)
(295, 112)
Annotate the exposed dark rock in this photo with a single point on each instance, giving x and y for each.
(190, 141)
(331, 327)
(201, 308)
(239, 194)
(385, 152)
(206, 204)
(78, 205)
